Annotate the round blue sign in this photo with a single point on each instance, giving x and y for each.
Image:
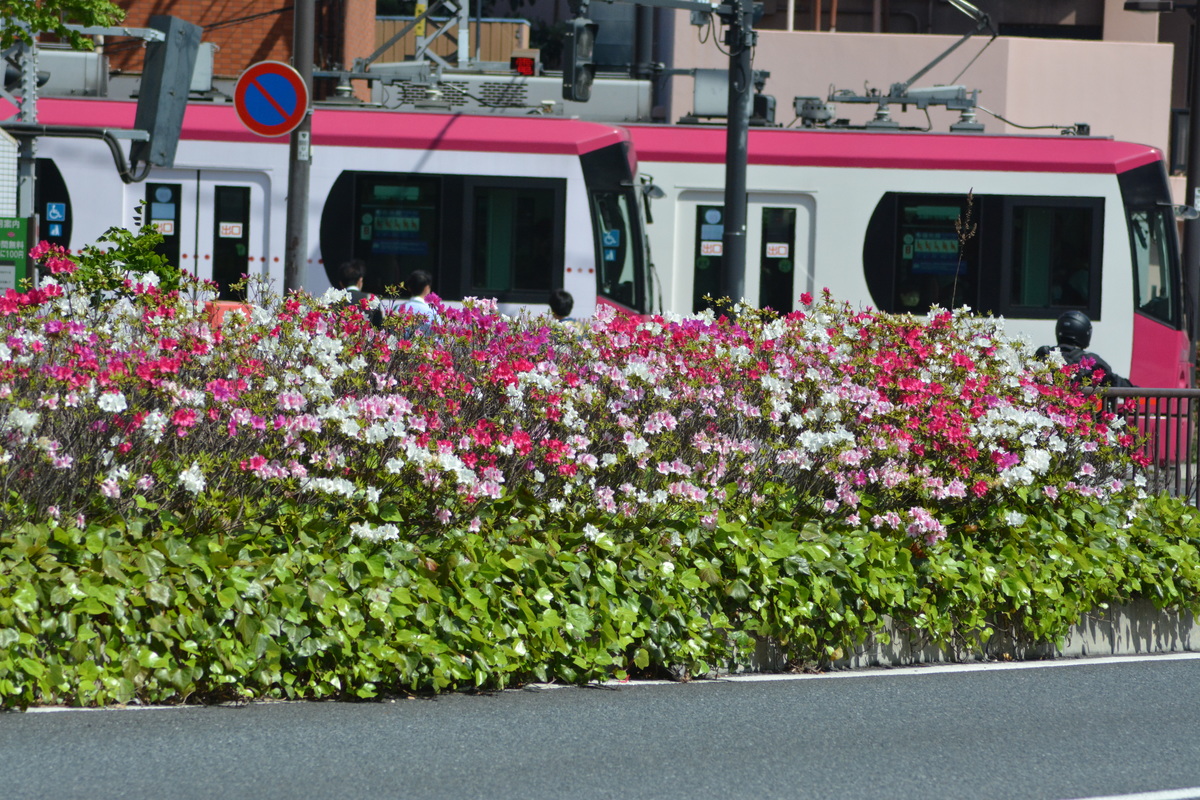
(271, 98)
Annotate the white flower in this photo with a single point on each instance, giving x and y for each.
(22, 420)
(1037, 460)
(112, 402)
(1014, 519)
(192, 479)
(383, 533)
(591, 532)
(335, 296)
(667, 568)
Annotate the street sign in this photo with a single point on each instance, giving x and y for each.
(271, 98)
(14, 248)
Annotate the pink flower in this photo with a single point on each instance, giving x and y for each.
(184, 418)
(291, 401)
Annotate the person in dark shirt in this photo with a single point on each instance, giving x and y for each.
(561, 303)
(350, 273)
(1074, 333)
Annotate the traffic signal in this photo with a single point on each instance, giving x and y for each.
(162, 98)
(578, 69)
(13, 77)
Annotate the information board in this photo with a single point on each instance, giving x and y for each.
(14, 252)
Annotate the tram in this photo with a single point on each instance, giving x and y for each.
(1025, 227)
(502, 207)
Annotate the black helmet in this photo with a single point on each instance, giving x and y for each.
(1075, 328)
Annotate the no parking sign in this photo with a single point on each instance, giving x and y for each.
(271, 98)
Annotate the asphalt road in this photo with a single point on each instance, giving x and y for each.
(1056, 730)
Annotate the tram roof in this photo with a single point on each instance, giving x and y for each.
(895, 150)
(362, 127)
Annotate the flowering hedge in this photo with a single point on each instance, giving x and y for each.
(888, 421)
(127, 415)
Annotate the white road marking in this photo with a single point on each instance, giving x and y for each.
(866, 672)
(1168, 794)
(989, 666)
(925, 669)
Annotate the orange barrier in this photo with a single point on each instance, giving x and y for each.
(216, 310)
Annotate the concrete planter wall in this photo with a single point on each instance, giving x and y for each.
(1134, 629)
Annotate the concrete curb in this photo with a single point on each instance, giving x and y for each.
(1134, 629)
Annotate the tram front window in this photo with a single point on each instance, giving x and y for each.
(617, 224)
(1154, 286)
(618, 262)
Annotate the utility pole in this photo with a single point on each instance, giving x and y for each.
(578, 72)
(740, 38)
(300, 153)
(1191, 227)
(1191, 224)
(27, 113)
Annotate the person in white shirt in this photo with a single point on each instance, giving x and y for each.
(418, 285)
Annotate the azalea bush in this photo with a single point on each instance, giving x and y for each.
(293, 502)
(893, 422)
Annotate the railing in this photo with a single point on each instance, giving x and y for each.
(1164, 421)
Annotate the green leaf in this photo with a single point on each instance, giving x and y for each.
(26, 598)
(159, 592)
(318, 590)
(738, 590)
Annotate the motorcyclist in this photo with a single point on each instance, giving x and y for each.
(1074, 333)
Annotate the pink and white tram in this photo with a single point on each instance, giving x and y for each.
(1059, 223)
(503, 207)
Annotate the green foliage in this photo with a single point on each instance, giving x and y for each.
(291, 606)
(51, 16)
(120, 252)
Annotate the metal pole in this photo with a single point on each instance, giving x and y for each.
(27, 154)
(1191, 228)
(741, 40)
(300, 159)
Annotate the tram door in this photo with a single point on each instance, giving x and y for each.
(778, 247)
(213, 223)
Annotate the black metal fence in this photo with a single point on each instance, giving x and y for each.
(1164, 423)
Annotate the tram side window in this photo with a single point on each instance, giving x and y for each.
(1054, 255)
(777, 259)
(514, 247)
(618, 266)
(397, 219)
(162, 203)
(1151, 260)
(709, 249)
(231, 239)
(937, 255)
(54, 204)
